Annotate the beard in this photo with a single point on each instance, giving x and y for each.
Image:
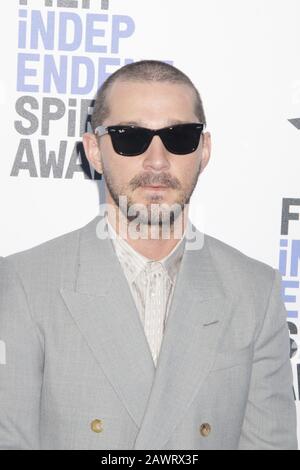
(154, 213)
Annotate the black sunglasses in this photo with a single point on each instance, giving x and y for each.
(129, 141)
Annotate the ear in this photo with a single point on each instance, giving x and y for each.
(206, 150)
(92, 151)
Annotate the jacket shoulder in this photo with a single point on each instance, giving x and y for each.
(234, 258)
(50, 250)
(240, 272)
(51, 259)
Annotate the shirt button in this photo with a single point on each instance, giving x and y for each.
(96, 425)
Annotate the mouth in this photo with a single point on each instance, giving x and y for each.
(155, 187)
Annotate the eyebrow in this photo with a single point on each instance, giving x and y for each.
(170, 122)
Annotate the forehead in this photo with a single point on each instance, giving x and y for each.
(159, 103)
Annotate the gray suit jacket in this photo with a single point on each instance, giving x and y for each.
(76, 352)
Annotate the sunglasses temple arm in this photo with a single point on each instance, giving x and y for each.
(89, 127)
(101, 130)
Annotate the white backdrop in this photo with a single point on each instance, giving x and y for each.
(243, 57)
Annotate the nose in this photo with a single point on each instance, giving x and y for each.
(156, 155)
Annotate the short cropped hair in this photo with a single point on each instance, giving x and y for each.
(143, 71)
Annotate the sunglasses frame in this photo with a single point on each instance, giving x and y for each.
(103, 130)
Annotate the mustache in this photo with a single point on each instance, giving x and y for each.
(150, 179)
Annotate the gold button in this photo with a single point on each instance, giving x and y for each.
(96, 425)
(205, 429)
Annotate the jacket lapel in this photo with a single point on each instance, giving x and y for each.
(195, 323)
(102, 306)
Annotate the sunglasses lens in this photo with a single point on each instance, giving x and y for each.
(129, 141)
(182, 139)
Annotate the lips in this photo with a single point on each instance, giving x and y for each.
(155, 186)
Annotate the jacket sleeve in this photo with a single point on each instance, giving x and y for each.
(270, 418)
(21, 365)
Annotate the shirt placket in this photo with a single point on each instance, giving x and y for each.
(154, 307)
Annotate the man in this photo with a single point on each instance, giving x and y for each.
(124, 335)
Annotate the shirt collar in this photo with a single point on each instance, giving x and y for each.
(136, 262)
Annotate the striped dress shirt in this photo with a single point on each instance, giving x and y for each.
(151, 284)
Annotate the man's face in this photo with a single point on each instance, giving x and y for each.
(152, 105)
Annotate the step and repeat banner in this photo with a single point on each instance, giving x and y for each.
(244, 59)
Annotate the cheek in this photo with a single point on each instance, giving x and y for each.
(187, 167)
(122, 169)
(112, 162)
